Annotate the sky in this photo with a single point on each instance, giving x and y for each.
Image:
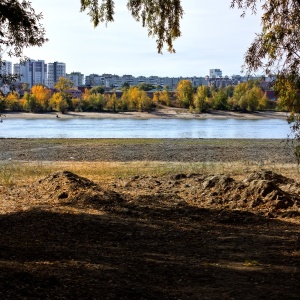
(213, 36)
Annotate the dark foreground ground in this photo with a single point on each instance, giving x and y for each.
(184, 236)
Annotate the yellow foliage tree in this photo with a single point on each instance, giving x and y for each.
(112, 103)
(42, 96)
(58, 102)
(184, 93)
(12, 101)
(164, 97)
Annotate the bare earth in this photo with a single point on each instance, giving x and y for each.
(181, 236)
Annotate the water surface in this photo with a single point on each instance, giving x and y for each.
(146, 128)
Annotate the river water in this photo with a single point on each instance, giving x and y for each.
(145, 128)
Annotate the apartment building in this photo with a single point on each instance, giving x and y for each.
(55, 70)
(215, 73)
(32, 72)
(76, 78)
(5, 68)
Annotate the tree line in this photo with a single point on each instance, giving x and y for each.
(247, 96)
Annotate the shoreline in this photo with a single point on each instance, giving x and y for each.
(166, 113)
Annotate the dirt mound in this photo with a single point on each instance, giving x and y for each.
(268, 175)
(263, 192)
(67, 188)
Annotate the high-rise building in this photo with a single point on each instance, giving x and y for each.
(32, 72)
(215, 73)
(76, 78)
(5, 67)
(55, 70)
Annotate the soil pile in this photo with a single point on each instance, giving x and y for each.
(263, 192)
(67, 188)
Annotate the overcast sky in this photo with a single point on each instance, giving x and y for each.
(213, 36)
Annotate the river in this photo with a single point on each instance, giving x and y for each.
(144, 128)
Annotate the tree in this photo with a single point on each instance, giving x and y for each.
(220, 99)
(42, 96)
(59, 103)
(276, 50)
(164, 97)
(63, 84)
(200, 98)
(162, 18)
(184, 93)
(125, 86)
(112, 102)
(19, 28)
(145, 86)
(2, 104)
(248, 96)
(30, 103)
(12, 101)
(100, 89)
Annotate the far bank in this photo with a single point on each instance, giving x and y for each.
(165, 113)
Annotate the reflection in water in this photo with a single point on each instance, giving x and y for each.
(149, 128)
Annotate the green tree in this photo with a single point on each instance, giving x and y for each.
(161, 18)
(200, 99)
(20, 28)
(31, 104)
(220, 99)
(184, 93)
(100, 89)
(125, 86)
(2, 104)
(145, 86)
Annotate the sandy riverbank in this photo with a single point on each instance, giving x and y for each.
(168, 113)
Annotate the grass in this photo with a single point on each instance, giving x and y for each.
(22, 173)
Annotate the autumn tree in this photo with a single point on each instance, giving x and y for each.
(184, 93)
(112, 102)
(164, 97)
(63, 84)
(248, 96)
(59, 103)
(12, 101)
(42, 95)
(29, 103)
(201, 99)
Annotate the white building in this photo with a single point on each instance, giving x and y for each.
(55, 70)
(76, 78)
(32, 72)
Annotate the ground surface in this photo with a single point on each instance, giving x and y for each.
(172, 150)
(181, 236)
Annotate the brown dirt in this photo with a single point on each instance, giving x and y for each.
(184, 236)
(178, 237)
(173, 150)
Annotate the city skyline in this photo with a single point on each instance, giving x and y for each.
(213, 35)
